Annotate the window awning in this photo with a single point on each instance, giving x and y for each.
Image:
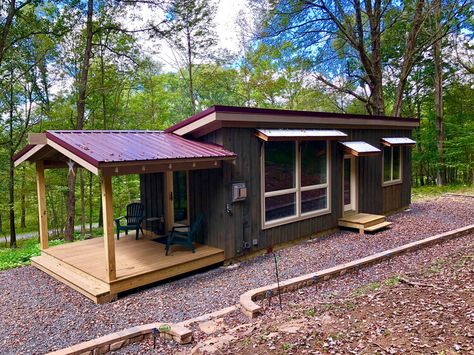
(298, 134)
(405, 141)
(359, 148)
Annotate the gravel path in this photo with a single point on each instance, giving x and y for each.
(38, 314)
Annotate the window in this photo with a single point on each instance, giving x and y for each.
(392, 164)
(295, 180)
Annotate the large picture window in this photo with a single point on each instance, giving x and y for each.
(392, 165)
(295, 180)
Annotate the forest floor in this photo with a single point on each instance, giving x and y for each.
(415, 304)
(38, 314)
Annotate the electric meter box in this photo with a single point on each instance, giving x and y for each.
(239, 192)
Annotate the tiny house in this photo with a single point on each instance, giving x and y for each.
(256, 177)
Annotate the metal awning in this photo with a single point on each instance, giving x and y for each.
(405, 141)
(298, 134)
(122, 152)
(359, 148)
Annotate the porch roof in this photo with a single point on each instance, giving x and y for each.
(109, 149)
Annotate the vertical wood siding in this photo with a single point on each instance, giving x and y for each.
(210, 191)
(151, 194)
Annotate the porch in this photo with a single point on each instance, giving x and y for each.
(100, 268)
(80, 265)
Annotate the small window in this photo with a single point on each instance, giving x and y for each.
(392, 164)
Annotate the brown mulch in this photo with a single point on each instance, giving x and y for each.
(39, 314)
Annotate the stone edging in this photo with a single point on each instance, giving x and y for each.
(117, 340)
(114, 341)
(251, 309)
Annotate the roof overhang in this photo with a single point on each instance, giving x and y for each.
(298, 134)
(229, 116)
(122, 152)
(359, 148)
(398, 141)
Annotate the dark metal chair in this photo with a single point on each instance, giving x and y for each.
(135, 216)
(184, 235)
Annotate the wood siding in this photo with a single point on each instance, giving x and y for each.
(151, 195)
(210, 192)
(372, 197)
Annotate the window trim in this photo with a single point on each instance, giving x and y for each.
(298, 216)
(392, 181)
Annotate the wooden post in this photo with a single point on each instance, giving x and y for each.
(42, 211)
(168, 200)
(109, 241)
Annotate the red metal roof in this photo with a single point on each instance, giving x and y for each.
(98, 147)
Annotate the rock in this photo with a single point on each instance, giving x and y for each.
(117, 345)
(213, 344)
(211, 326)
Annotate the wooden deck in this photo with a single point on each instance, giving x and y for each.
(364, 222)
(81, 265)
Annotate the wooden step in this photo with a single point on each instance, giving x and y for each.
(89, 286)
(357, 220)
(377, 227)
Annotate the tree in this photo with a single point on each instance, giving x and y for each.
(24, 43)
(81, 106)
(190, 33)
(438, 93)
(348, 39)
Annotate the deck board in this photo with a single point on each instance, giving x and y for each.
(139, 262)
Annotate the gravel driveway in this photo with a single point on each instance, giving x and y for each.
(38, 314)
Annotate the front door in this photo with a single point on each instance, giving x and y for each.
(176, 202)
(349, 184)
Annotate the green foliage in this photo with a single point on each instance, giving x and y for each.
(26, 249)
(422, 192)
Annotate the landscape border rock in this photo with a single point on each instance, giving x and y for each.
(117, 340)
(251, 309)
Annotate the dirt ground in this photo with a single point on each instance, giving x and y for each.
(429, 310)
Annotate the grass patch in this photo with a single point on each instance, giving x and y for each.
(392, 281)
(422, 192)
(26, 249)
(311, 312)
(363, 290)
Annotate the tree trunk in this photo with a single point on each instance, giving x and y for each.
(23, 198)
(101, 220)
(190, 71)
(6, 28)
(102, 89)
(90, 203)
(408, 58)
(11, 181)
(71, 205)
(81, 106)
(83, 202)
(438, 96)
(11, 204)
